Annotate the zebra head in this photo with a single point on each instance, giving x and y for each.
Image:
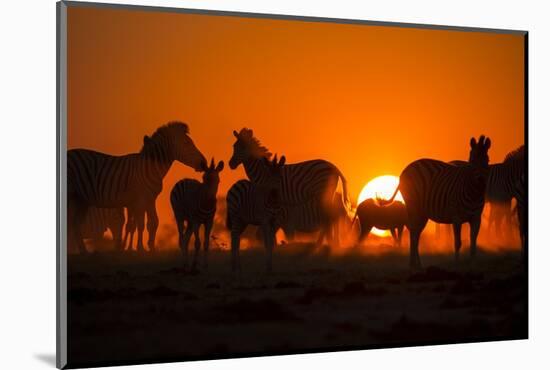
(246, 147)
(479, 152)
(171, 142)
(211, 175)
(273, 182)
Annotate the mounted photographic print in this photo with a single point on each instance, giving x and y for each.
(234, 185)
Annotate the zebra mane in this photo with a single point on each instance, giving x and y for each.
(167, 130)
(515, 155)
(254, 145)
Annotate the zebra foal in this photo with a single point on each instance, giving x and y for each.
(255, 204)
(194, 203)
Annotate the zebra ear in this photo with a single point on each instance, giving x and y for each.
(472, 142)
(282, 161)
(211, 164)
(236, 134)
(219, 167)
(487, 144)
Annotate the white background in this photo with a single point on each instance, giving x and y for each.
(27, 181)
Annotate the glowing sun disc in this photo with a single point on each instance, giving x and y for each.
(380, 187)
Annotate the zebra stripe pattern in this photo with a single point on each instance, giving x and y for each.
(445, 193)
(99, 220)
(195, 203)
(254, 204)
(96, 222)
(133, 180)
(519, 192)
(301, 182)
(311, 217)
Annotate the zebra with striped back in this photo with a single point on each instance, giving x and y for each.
(256, 204)
(500, 187)
(133, 180)
(311, 217)
(194, 202)
(301, 182)
(516, 158)
(501, 184)
(445, 193)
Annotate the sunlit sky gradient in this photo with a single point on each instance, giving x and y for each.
(370, 99)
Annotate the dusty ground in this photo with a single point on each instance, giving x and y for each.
(139, 308)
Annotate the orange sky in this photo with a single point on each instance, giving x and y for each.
(370, 99)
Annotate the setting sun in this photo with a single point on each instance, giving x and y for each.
(380, 187)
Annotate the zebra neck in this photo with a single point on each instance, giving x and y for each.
(256, 170)
(478, 182)
(156, 167)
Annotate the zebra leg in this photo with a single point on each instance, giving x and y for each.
(236, 232)
(415, 231)
(399, 236)
(320, 238)
(206, 242)
(140, 223)
(117, 238)
(152, 226)
(414, 259)
(197, 245)
(180, 226)
(365, 231)
(394, 235)
(79, 216)
(130, 229)
(268, 244)
(116, 231)
(457, 227)
(131, 243)
(184, 243)
(474, 230)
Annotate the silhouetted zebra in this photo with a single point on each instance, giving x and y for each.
(129, 229)
(516, 158)
(500, 186)
(195, 203)
(99, 220)
(445, 193)
(255, 204)
(310, 217)
(132, 180)
(520, 193)
(501, 180)
(301, 182)
(391, 217)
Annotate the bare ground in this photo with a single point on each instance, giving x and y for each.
(133, 308)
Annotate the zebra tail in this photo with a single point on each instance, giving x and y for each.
(384, 202)
(355, 217)
(345, 195)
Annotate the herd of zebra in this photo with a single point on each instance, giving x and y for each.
(298, 197)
